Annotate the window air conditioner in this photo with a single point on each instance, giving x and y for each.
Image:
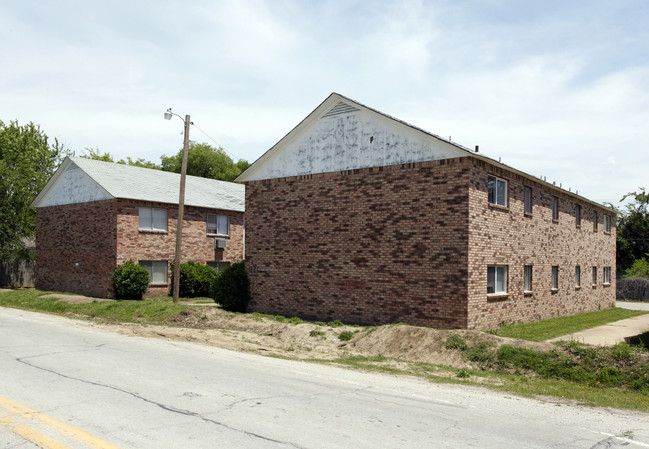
(220, 243)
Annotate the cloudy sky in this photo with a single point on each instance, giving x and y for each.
(555, 88)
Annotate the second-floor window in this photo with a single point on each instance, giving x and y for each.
(577, 214)
(497, 191)
(595, 218)
(218, 224)
(152, 219)
(555, 208)
(528, 200)
(607, 223)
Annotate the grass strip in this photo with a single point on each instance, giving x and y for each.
(564, 325)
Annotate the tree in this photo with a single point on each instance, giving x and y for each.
(96, 155)
(633, 230)
(27, 161)
(205, 161)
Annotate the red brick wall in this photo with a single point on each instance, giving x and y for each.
(375, 245)
(509, 237)
(75, 247)
(101, 235)
(133, 244)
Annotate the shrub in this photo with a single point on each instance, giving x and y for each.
(346, 335)
(195, 279)
(130, 281)
(232, 288)
(456, 342)
(639, 269)
(335, 323)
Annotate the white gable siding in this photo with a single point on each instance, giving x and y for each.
(351, 140)
(74, 186)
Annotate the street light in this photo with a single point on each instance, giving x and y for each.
(181, 203)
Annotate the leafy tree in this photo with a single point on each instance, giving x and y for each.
(205, 161)
(27, 161)
(96, 155)
(633, 230)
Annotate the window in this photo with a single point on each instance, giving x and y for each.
(157, 270)
(578, 215)
(218, 224)
(555, 277)
(607, 223)
(607, 275)
(595, 218)
(218, 266)
(577, 276)
(555, 208)
(527, 278)
(594, 276)
(153, 219)
(497, 191)
(496, 279)
(528, 200)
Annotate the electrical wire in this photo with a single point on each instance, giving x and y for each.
(218, 144)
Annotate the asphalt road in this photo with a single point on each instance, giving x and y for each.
(80, 386)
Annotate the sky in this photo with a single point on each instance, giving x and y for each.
(557, 89)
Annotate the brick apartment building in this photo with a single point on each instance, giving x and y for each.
(357, 216)
(92, 216)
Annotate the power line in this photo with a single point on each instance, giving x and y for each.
(219, 145)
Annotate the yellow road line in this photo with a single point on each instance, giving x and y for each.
(38, 438)
(22, 411)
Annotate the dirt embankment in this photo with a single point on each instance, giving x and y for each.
(209, 325)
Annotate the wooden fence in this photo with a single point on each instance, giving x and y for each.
(16, 274)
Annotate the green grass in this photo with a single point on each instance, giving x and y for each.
(147, 311)
(564, 325)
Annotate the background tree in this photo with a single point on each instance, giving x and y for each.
(97, 155)
(633, 230)
(27, 161)
(205, 161)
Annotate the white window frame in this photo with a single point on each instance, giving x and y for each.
(497, 191)
(606, 275)
(555, 278)
(527, 278)
(577, 276)
(527, 200)
(578, 215)
(158, 271)
(152, 219)
(218, 224)
(607, 223)
(555, 208)
(497, 279)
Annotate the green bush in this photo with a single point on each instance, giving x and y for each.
(232, 288)
(456, 342)
(130, 281)
(345, 335)
(335, 323)
(639, 269)
(196, 279)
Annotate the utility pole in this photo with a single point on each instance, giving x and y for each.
(181, 205)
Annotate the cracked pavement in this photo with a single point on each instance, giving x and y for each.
(149, 393)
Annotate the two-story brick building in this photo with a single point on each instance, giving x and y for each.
(92, 216)
(357, 216)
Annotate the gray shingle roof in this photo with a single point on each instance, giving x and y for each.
(137, 183)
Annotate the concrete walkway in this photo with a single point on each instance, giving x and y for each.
(613, 333)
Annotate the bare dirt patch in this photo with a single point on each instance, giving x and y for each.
(209, 325)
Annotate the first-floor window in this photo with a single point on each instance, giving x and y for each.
(594, 275)
(607, 275)
(157, 270)
(497, 279)
(527, 278)
(555, 277)
(218, 266)
(577, 276)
